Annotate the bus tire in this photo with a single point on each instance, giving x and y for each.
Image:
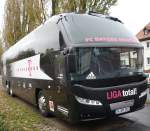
(7, 87)
(11, 93)
(42, 106)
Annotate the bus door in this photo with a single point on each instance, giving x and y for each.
(60, 80)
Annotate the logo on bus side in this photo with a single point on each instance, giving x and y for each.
(29, 67)
(119, 94)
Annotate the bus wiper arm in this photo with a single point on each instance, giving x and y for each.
(114, 19)
(60, 18)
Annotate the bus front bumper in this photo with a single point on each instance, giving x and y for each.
(93, 112)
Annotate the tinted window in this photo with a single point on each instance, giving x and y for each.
(45, 37)
(102, 63)
(81, 27)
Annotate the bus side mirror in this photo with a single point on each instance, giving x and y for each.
(146, 75)
(71, 63)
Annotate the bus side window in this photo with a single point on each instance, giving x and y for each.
(61, 41)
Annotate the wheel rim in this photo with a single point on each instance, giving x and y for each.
(7, 87)
(11, 92)
(42, 103)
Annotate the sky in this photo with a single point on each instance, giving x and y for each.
(134, 13)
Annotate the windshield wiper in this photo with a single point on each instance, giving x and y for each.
(104, 16)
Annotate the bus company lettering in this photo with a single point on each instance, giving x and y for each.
(29, 68)
(118, 93)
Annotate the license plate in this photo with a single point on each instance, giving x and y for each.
(122, 110)
(122, 104)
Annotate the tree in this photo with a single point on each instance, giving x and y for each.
(12, 28)
(101, 6)
(81, 6)
(1, 47)
(1, 51)
(21, 17)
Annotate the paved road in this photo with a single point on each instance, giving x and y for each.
(137, 121)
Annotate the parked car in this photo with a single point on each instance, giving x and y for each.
(148, 80)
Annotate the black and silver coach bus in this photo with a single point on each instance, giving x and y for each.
(78, 67)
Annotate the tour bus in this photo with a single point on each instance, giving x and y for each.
(78, 67)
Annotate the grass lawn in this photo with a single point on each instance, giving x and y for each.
(15, 115)
(2, 124)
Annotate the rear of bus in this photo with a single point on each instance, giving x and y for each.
(105, 68)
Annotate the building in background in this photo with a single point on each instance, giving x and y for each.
(144, 38)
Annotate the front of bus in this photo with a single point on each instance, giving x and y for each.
(105, 68)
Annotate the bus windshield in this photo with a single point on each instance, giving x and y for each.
(84, 28)
(102, 63)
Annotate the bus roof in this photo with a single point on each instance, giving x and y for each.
(83, 30)
(99, 30)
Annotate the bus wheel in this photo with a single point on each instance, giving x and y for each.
(11, 91)
(42, 104)
(7, 88)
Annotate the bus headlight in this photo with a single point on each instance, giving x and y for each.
(88, 101)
